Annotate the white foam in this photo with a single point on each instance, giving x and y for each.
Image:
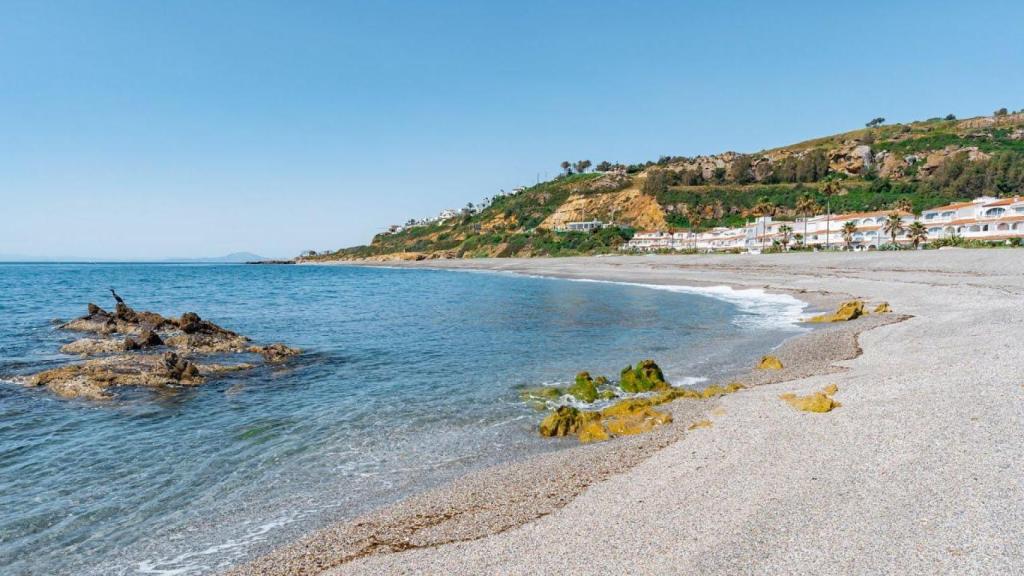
(761, 309)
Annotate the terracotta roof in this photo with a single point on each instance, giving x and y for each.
(1004, 202)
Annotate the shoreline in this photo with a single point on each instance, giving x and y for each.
(496, 499)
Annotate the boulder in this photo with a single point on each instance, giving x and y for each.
(566, 421)
(814, 402)
(847, 311)
(584, 389)
(883, 308)
(275, 353)
(647, 376)
(769, 363)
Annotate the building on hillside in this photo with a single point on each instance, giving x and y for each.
(587, 226)
(447, 214)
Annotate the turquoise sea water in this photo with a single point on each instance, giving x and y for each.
(409, 378)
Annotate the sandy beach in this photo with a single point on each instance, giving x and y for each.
(916, 473)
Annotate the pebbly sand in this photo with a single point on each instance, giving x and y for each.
(917, 473)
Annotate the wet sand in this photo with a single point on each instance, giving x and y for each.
(915, 473)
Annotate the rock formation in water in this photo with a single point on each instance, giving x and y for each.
(146, 349)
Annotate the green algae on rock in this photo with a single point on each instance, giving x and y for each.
(584, 388)
(647, 376)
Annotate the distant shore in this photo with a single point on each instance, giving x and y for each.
(485, 510)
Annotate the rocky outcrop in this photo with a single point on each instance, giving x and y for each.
(814, 402)
(633, 415)
(628, 207)
(584, 389)
(851, 158)
(127, 344)
(847, 311)
(645, 377)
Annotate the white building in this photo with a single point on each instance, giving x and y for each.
(588, 226)
(985, 218)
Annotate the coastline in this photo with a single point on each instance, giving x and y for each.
(501, 498)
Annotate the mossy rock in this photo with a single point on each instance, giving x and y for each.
(769, 363)
(814, 402)
(600, 380)
(607, 395)
(883, 308)
(542, 393)
(645, 377)
(847, 311)
(584, 389)
(593, 431)
(566, 421)
(633, 416)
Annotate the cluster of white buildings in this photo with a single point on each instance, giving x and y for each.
(449, 213)
(985, 218)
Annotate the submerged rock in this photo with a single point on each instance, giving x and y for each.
(847, 311)
(275, 353)
(814, 402)
(769, 363)
(647, 376)
(92, 379)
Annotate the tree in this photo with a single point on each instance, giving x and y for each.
(893, 226)
(830, 189)
(763, 209)
(582, 166)
(566, 167)
(1001, 112)
(918, 233)
(740, 170)
(806, 206)
(950, 117)
(798, 239)
(849, 229)
(875, 122)
(694, 215)
(786, 230)
(656, 182)
(604, 166)
(903, 205)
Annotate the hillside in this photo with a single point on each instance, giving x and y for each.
(923, 164)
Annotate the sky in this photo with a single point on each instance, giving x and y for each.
(146, 130)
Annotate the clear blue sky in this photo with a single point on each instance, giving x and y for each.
(153, 129)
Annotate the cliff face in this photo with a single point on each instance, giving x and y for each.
(629, 207)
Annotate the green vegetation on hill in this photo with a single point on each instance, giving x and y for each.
(913, 166)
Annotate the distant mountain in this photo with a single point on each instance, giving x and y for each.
(233, 258)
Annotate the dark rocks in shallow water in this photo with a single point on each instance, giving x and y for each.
(125, 365)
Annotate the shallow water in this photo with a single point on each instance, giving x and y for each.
(409, 378)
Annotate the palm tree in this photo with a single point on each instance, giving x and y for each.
(830, 189)
(785, 230)
(798, 239)
(566, 167)
(894, 226)
(918, 233)
(806, 206)
(903, 205)
(849, 229)
(763, 209)
(695, 222)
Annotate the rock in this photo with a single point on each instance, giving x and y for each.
(847, 311)
(190, 323)
(93, 309)
(92, 379)
(584, 389)
(92, 346)
(566, 421)
(700, 424)
(645, 377)
(593, 431)
(632, 417)
(769, 363)
(814, 402)
(883, 308)
(276, 352)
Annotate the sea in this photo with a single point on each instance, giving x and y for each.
(408, 379)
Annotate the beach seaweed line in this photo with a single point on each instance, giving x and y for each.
(318, 552)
